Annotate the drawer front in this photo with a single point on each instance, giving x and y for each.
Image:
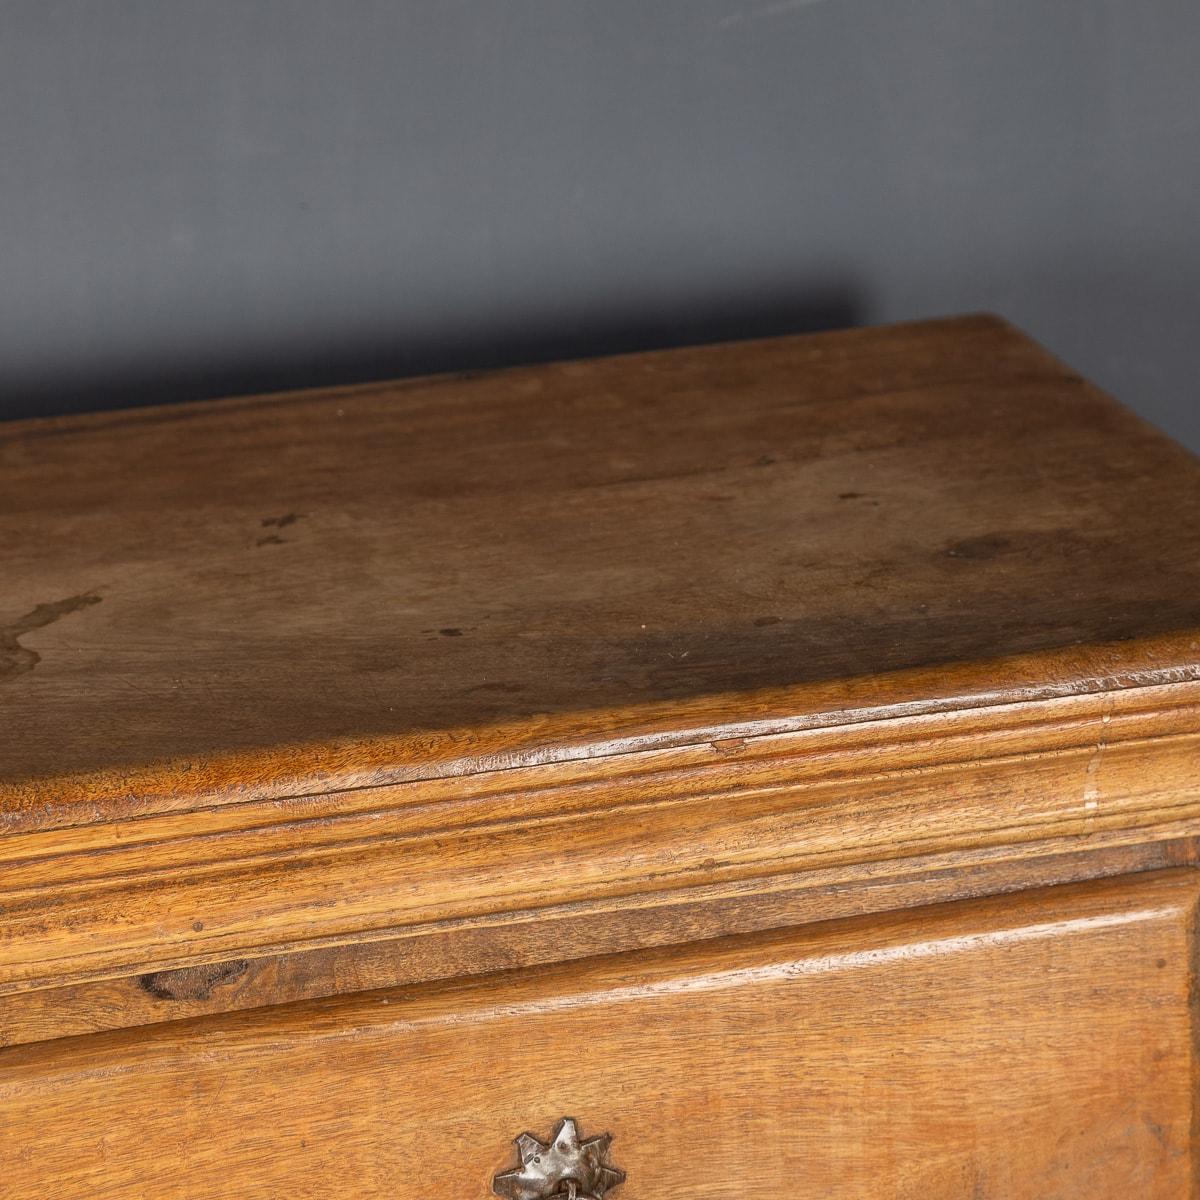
(1032, 1046)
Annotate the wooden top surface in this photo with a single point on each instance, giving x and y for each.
(291, 594)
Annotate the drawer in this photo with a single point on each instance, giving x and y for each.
(1031, 1046)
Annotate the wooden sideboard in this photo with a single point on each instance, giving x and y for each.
(767, 769)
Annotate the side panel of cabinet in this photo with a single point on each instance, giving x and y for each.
(1015, 1049)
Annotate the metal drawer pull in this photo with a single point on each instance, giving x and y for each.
(564, 1167)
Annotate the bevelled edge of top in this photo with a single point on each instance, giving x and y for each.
(1166, 665)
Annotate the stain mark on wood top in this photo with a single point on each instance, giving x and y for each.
(16, 659)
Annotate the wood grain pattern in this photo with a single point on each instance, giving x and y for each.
(1026, 1047)
(425, 953)
(288, 596)
(670, 828)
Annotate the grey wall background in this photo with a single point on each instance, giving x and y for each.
(202, 196)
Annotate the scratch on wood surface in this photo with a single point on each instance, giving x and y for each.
(1091, 790)
(16, 659)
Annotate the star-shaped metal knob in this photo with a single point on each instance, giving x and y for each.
(564, 1166)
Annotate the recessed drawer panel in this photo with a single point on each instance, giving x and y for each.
(1024, 1047)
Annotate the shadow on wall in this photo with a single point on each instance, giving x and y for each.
(536, 339)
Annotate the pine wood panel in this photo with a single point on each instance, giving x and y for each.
(1014, 1049)
(285, 596)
